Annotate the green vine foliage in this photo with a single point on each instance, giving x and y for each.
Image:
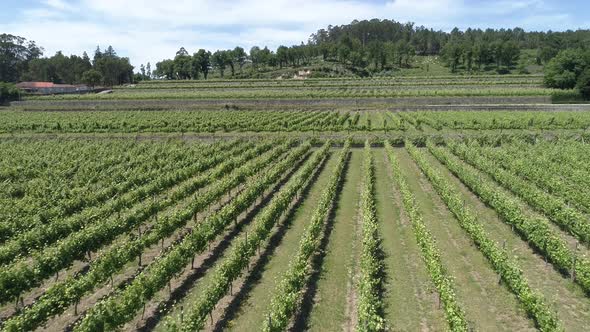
(534, 303)
(288, 293)
(116, 310)
(536, 231)
(58, 297)
(24, 275)
(238, 259)
(370, 284)
(454, 313)
(555, 208)
(45, 234)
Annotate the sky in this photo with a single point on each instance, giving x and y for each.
(152, 30)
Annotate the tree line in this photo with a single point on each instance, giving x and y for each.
(377, 45)
(363, 46)
(21, 60)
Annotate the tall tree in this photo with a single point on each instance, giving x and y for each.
(165, 68)
(239, 56)
(97, 55)
(255, 56)
(219, 60)
(15, 54)
(92, 78)
(283, 55)
(203, 60)
(183, 65)
(114, 69)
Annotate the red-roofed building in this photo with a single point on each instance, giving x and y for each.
(51, 88)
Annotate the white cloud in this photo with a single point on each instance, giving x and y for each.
(232, 12)
(58, 4)
(151, 30)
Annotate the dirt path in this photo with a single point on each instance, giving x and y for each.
(567, 298)
(329, 308)
(250, 311)
(351, 313)
(488, 306)
(407, 279)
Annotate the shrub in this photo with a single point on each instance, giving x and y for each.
(563, 71)
(583, 83)
(8, 92)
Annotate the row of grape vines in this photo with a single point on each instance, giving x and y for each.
(24, 274)
(288, 293)
(245, 248)
(442, 281)
(545, 174)
(46, 234)
(503, 264)
(536, 231)
(555, 208)
(280, 121)
(370, 283)
(60, 296)
(123, 306)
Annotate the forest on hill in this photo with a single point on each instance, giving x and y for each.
(361, 48)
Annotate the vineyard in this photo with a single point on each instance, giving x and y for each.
(289, 205)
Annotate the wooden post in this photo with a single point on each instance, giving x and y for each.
(193, 263)
(143, 312)
(545, 254)
(76, 308)
(248, 262)
(574, 262)
(181, 314)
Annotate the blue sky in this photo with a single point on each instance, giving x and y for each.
(150, 30)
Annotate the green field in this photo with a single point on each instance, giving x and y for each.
(422, 203)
